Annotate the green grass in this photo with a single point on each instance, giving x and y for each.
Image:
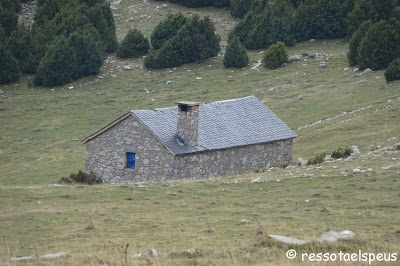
(40, 137)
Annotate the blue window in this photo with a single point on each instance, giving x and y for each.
(130, 163)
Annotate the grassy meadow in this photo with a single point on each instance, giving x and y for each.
(40, 135)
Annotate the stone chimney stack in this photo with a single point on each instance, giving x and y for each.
(188, 121)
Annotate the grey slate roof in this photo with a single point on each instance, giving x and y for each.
(222, 124)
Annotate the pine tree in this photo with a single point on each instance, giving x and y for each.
(275, 56)
(133, 45)
(393, 71)
(380, 45)
(363, 10)
(355, 41)
(167, 29)
(236, 55)
(9, 70)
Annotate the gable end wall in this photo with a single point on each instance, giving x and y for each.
(106, 154)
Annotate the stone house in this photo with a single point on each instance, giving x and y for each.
(190, 140)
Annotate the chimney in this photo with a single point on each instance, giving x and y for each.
(188, 120)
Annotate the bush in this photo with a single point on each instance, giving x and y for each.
(380, 45)
(341, 153)
(9, 70)
(355, 41)
(393, 71)
(195, 42)
(167, 29)
(318, 159)
(321, 19)
(239, 8)
(265, 24)
(8, 20)
(82, 177)
(275, 56)
(58, 65)
(236, 55)
(363, 10)
(133, 45)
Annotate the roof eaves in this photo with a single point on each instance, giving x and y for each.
(104, 129)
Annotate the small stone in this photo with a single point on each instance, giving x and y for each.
(356, 170)
(256, 180)
(127, 68)
(346, 68)
(312, 40)
(151, 252)
(294, 58)
(199, 78)
(169, 82)
(322, 65)
(306, 175)
(367, 71)
(356, 69)
(1, 92)
(244, 221)
(307, 201)
(301, 97)
(301, 162)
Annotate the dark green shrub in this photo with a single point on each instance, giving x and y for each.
(321, 19)
(8, 20)
(341, 153)
(239, 8)
(133, 45)
(363, 10)
(236, 55)
(265, 24)
(167, 29)
(82, 178)
(9, 70)
(355, 41)
(89, 50)
(393, 71)
(318, 159)
(22, 46)
(275, 56)
(195, 42)
(380, 45)
(58, 65)
(200, 3)
(100, 15)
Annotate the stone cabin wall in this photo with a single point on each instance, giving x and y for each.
(106, 156)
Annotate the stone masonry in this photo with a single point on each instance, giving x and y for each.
(106, 156)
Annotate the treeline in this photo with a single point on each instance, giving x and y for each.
(67, 41)
(200, 3)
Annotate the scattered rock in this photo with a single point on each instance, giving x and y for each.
(127, 68)
(90, 226)
(301, 162)
(256, 180)
(1, 92)
(169, 82)
(244, 221)
(287, 240)
(151, 252)
(312, 40)
(346, 68)
(306, 175)
(367, 71)
(356, 170)
(256, 65)
(324, 209)
(191, 251)
(318, 196)
(46, 256)
(356, 69)
(294, 58)
(333, 236)
(328, 158)
(322, 65)
(307, 201)
(199, 78)
(301, 98)
(354, 154)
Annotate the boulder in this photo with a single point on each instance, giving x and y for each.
(294, 58)
(367, 71)
(301, 162)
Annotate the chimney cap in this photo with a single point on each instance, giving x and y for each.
(187, 103)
